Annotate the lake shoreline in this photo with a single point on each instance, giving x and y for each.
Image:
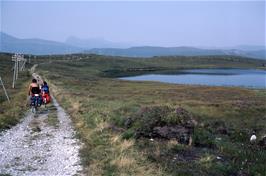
(237, 77)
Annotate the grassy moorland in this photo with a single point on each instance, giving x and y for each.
(11, 113)
(148, 128)
(108, 66)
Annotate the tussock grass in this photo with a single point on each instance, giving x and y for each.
(11, 113)
(99, 107)
(106, 152)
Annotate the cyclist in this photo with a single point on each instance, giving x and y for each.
(34, 92)
(45, 92)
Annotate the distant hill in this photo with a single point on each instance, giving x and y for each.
(261, 54)
(249, 47)
(148, 51)
(12, 44)
(94, 43)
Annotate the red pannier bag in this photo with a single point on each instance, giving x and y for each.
(47, 97)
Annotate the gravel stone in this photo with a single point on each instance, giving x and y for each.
(50, 151)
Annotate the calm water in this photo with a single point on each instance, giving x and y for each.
(213, 77)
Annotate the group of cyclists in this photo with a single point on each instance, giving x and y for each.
(39, 93)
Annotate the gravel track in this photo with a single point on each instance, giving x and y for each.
(36, 148)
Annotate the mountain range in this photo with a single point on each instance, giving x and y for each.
(12, 44)
(94, 43)
(149, 51)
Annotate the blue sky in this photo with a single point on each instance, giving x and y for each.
(192, 23)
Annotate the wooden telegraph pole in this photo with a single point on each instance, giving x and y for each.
(14, 59)
(18, 66)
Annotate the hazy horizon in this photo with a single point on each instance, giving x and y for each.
(205, 24)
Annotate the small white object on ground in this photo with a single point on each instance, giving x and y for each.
(218, 157)
(253, 138)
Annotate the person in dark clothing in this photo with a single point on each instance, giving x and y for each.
(45, 88)
(34, 88)
(34, 92)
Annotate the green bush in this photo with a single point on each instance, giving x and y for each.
(203, 138)
(128, 134)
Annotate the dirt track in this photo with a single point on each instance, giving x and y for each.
(42, 144)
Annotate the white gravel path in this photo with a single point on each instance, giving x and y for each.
(47, 151)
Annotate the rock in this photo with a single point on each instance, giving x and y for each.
(38, 129)
(49, 152)
(128, 122)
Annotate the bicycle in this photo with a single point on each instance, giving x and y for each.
(35, 103)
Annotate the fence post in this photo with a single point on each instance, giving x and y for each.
(4, 89)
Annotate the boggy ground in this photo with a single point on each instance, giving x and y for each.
(133, 128)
